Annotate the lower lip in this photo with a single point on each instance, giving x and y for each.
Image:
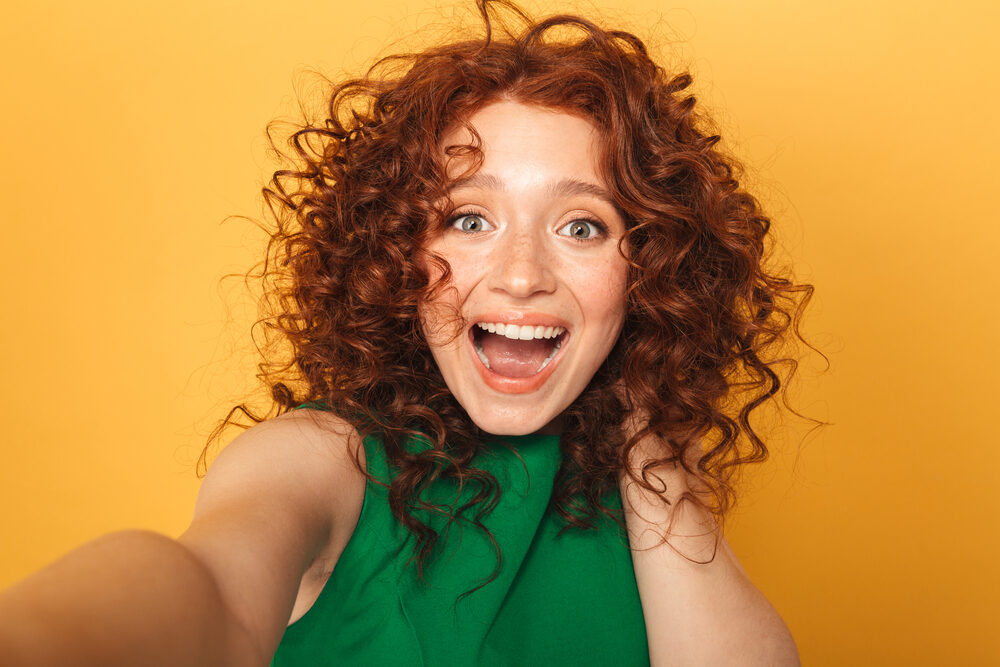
(509, 385)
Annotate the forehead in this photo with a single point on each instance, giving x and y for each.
(525, 148)
(527, 140)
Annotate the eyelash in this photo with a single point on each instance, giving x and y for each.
(602, 229)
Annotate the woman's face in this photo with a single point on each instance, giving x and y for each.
(537, 275)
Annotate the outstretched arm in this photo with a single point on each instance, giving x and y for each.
(280, 496)
(127, 598)
(696, 614)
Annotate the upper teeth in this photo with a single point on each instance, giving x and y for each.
(520, 332)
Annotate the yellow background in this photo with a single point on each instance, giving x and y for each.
(132, 130)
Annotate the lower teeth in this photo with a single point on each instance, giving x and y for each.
(482, 357)
(551, 354)
(486, 362)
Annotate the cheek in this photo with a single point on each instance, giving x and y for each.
(441, 313)
(460, 260)
(604, 287)
(441, 317)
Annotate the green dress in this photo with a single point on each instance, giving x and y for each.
(567, 600)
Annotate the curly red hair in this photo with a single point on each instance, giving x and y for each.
(346, 267)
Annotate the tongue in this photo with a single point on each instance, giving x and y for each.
(515, 358)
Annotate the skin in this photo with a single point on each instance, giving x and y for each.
(515, 257)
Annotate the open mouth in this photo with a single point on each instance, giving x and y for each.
(516, 351)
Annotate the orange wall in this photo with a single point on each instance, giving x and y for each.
(132, 130)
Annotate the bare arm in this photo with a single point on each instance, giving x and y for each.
(126, 598)
(697, 614)
(273, 502)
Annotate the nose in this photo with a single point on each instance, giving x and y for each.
(522, 267)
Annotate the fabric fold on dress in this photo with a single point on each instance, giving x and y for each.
(556, 600)
(468, 558)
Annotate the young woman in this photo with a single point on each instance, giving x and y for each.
(529, 318)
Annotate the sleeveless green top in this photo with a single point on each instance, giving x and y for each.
(567, 600)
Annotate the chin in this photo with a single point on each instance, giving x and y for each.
(504, 428)
(526, 421)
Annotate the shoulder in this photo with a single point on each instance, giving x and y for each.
(298, 440)
(275, 501)
(305, 455)
(305, 432)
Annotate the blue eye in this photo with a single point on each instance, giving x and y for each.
(582, 229)
(471, 222)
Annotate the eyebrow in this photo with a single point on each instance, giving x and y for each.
(566, 187)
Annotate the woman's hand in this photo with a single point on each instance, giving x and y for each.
(699, 605)
(651, 448)
(655, 516)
